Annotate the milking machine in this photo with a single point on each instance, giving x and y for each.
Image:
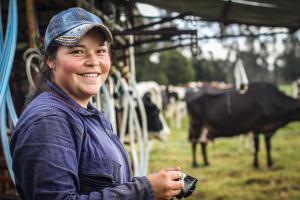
(128, 101)
(34, 61)
(143, 134)
(7, 57)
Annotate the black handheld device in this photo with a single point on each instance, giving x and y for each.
(189, 186)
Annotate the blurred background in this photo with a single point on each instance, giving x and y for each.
(162, 50)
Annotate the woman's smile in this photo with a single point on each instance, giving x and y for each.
(80, 70)
(90, 75)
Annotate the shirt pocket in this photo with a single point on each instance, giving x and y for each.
(96, 174)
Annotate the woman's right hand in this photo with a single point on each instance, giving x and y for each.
(167, 183)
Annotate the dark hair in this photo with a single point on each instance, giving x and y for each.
(45, 73)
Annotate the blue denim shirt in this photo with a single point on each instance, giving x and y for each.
(61, 150)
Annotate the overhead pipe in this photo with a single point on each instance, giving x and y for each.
(165, 31)
(163, 20)
(155, 50)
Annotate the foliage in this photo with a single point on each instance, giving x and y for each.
(173, 68)
(178, 69)
(209, 70)
(255, 71)
(291, 59)
(147, 71)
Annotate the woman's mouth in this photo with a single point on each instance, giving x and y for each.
(90, 75)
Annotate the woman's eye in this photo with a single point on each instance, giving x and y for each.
(101, 51)
(77, 51)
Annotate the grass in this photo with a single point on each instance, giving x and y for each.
(230, 175)
(286, 88)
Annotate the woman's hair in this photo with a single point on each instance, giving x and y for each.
(46, 72)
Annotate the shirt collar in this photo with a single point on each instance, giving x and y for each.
(91, 110)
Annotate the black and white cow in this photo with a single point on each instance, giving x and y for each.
(260, 109)
(174, 106)
(152, 100)
(296, 89)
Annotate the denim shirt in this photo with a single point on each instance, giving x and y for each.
(61, 150)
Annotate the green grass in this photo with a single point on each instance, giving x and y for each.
(230, 175)
(287, 89)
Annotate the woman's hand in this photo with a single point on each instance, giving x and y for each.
(167, 183)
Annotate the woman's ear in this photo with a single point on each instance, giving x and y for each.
(50, 62)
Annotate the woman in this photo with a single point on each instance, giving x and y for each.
(62, 147)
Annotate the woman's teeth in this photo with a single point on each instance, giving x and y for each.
(90, 75)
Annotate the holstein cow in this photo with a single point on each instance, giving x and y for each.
(260, 109)
(174, 105)
(152, 100)
(296, 89)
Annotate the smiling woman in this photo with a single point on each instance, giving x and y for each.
(62, 146)
(81, 69)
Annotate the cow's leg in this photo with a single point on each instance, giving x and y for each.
(268, 148)
(256, 150)
(194, 147)
(194, 134)
(203, 142)
(204, 153)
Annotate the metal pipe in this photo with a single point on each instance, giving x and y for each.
(163, 20)
(156, 32)
(154, 51)
(31, 23)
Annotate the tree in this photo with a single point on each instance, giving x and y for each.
(178, 68)
(290, 59)
(173, 68)
(209, 70)
(149, 71)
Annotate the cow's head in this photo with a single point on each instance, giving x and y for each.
(151, 96)
(152, 112)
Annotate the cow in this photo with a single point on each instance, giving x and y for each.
(262, 108)
(151, 95)
(174, 106)
(296, 88)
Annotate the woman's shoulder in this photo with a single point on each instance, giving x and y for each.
(48, 105)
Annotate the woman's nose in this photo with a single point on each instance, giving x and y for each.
(92, 60)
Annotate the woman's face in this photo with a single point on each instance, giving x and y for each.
(80, 70)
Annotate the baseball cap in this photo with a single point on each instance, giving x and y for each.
(68, 27)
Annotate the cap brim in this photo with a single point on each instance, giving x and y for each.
(74, 35)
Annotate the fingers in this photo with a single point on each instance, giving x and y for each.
(171, 194)
(174, 193)
(175, 175)
(177, 185)
(172, 169)
(167, 183)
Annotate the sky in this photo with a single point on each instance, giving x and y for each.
(214, 47)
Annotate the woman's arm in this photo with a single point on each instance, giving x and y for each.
(45, 162)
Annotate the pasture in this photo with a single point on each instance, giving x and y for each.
(230, 175)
